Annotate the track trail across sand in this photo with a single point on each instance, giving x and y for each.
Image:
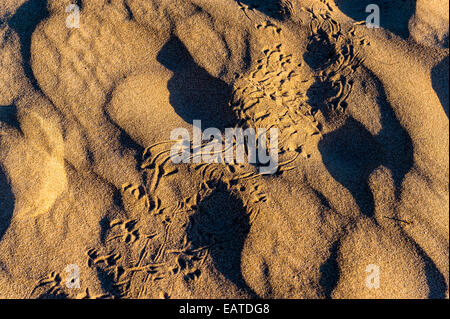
(104, 99)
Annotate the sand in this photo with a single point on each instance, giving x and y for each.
(91, 206)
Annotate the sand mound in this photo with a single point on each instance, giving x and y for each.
(91, 205)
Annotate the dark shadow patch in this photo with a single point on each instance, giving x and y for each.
(247, 59)
(435, 279)
(194, 93)
(320, 93)
(439, 81)
(221, 222)
(276, 9)
(445, 42)
(267, 286)
(79, 3)
(108, 283)
(24, 22)
(7, 203)
(321, 52)
(127, 141)
(394, 15)
(117, 199)
(323, 200)
(8, 115)
(128, 10)
(330, 272)
(350, 154)
(104, 228)
(398, 149)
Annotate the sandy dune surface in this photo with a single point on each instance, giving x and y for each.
(91, 205)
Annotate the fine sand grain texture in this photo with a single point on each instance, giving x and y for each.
(92, 205)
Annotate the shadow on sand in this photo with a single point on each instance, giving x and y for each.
(394, 15)
(275, 9)
(351, 153)
(222, 222)
(24, 22)
(439, 81)
(7, 201)
(194, 93)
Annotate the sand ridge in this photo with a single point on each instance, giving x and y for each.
(88, 187)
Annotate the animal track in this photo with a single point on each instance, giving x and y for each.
(273, 94)
(267, 25)
(333, 55)
(282, 92)
(144, 253)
